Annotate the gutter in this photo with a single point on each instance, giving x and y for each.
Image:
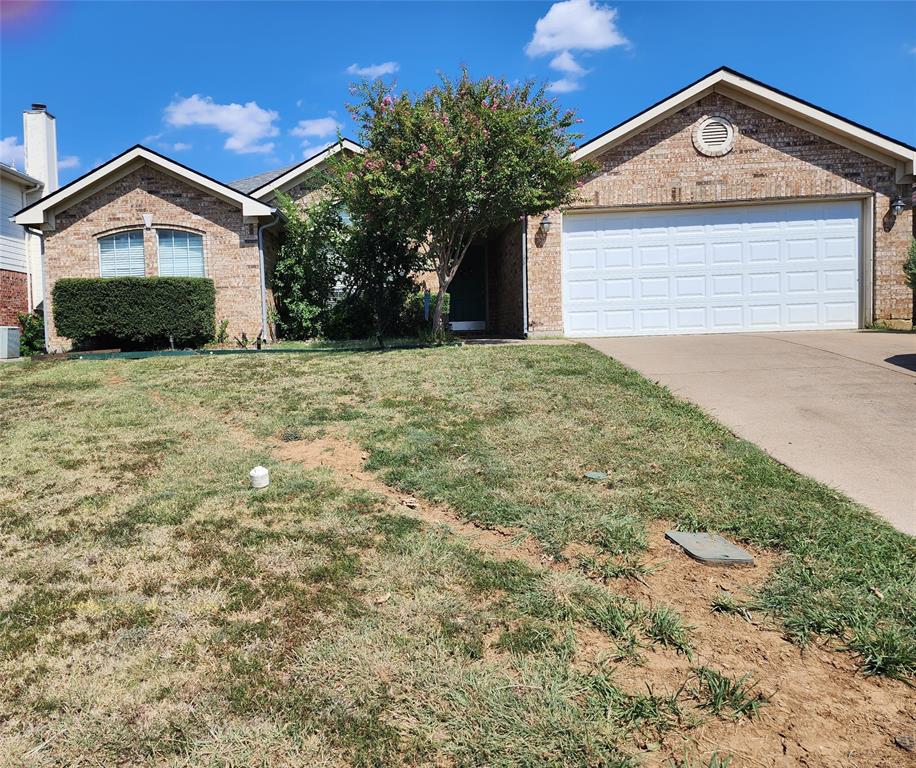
(525, 277)
(261, 228)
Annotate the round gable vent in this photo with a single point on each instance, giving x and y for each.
(714, 136)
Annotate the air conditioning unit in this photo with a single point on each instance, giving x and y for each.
(9, 342)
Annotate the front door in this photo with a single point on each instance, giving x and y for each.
(468, 292)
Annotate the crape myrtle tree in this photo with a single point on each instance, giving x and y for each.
(461, 160)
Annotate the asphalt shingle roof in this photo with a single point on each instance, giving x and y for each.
(251, 183)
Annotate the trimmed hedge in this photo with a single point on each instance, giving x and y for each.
(135, 311)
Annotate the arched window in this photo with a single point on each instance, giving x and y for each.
(121, 254)
(181, 254)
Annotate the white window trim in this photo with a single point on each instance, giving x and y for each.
(203, 248)
(98, 248)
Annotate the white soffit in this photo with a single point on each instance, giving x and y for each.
(766, 99)
(39, 212)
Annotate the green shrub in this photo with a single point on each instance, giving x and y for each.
(413, 319)
(909, 266)
(349, 318)
(135, 311)
(32, 339)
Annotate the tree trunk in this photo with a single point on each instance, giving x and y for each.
(379, 323)
(437, 310)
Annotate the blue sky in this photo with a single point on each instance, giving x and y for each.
(233, 89)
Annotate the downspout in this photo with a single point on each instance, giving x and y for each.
(25, 196)
(525, 277)
(44, 283)
(261, 229)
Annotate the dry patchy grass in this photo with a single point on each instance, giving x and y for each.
(154, 610)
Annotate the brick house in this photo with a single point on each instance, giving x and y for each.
(729, 206)
(144, 214)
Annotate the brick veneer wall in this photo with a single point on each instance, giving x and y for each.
(771, 160)
(14, 296)
(230, 246)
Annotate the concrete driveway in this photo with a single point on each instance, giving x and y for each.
(839, 406)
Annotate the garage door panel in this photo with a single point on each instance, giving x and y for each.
(713, 270)
(583, 290)
(840, 313)
(618, 290)
(727, 253)
(619, 321)
(690, 254)
(582, 259)
(802, 250)
(840, 248)
(653, 255)
(762, 317)
(690, 286)
(617, 258)
(801, 282)
(653, 288)
(690, 319)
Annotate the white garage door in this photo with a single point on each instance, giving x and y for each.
(713, 270)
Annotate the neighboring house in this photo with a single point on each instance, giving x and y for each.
(144, 214)
(21, 284)
(729, 206)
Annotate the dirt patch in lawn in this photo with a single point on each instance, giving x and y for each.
(346, 459)
(820, 713)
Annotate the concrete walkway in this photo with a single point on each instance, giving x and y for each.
(839, 406)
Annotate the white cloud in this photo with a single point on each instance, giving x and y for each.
(246, 125)
(575, 25)
(68, 161)
(310, 150)
(12, 152)
(564, 85)
(374, 70)
(180, 146)
(565, 62)
(318, 127)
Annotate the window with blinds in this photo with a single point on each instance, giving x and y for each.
(121, 255)
(181, 254)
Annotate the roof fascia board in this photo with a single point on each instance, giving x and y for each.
(36, 213)
(645, 119)
(293, 175)
(815, 115)
(811, 127)
(48, 222)
(19, 177)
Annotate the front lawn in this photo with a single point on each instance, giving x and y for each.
(463, 597)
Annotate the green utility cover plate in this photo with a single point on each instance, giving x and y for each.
(710, 548)
(596, 475)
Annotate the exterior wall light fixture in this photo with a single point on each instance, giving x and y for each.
(546, 223)
(898, 205)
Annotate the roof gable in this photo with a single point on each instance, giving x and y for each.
(771, 101)
(40, 211)
(284, 178)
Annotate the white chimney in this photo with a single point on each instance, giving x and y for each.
(40, 131)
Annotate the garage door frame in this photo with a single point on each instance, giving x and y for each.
(866, 235)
